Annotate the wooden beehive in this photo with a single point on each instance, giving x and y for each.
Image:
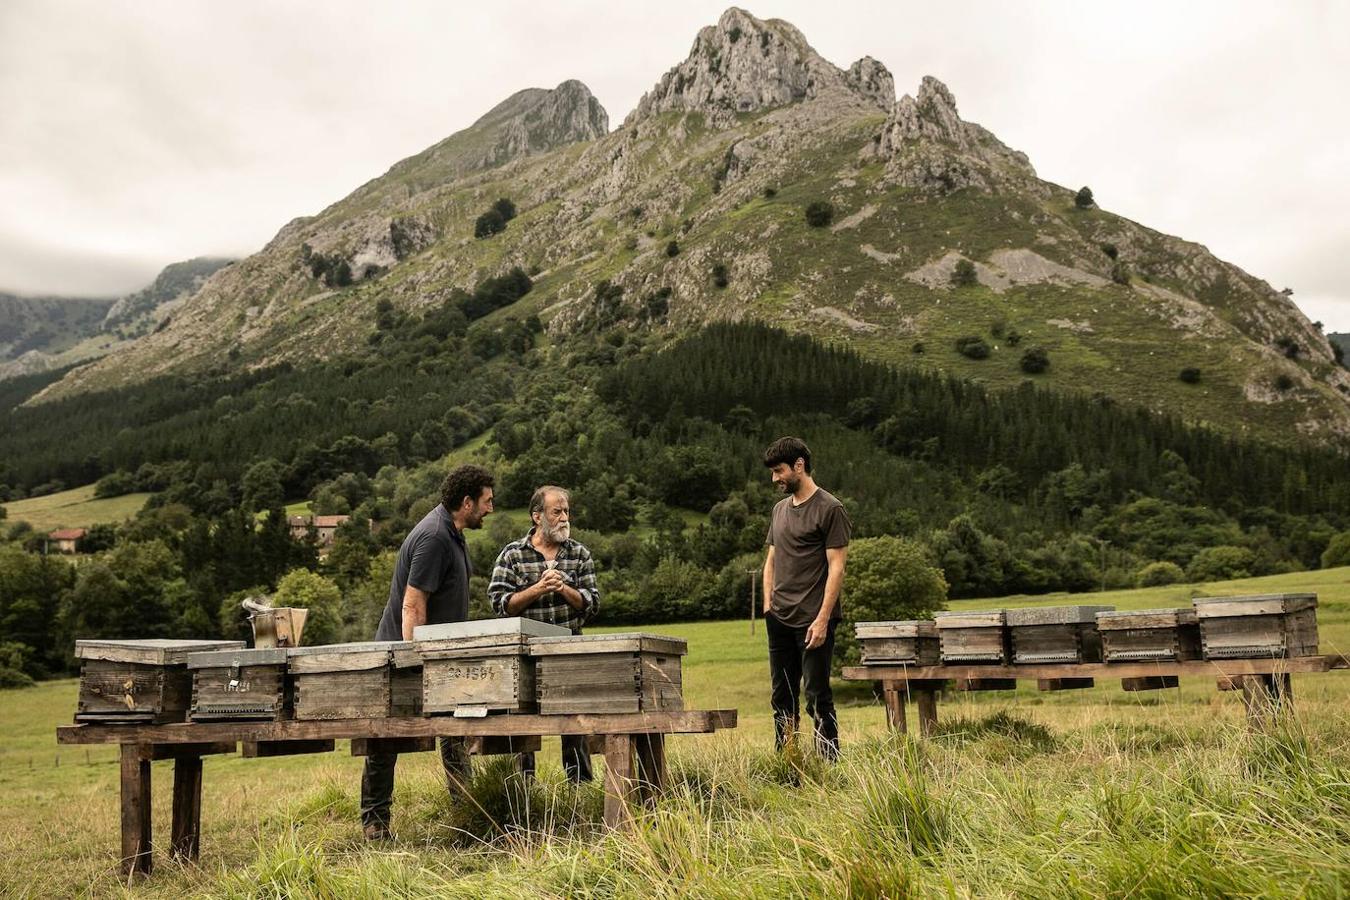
(137, 681)
(1260, 626)
(1170, 635)
(913, 643)
(240, 684)
(353, 681)
(1056, 634)
(480, 667)
(609, 673)
(974, 638)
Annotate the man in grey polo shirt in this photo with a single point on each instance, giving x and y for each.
(430, 586)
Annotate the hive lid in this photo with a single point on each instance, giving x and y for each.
(149, 651)
(515, 625)
(344, 657)
(1055, 615)
(987, 618)
(622, 642)
(1253, 605)
(225, 659)
(903, 629)
(1121, 619)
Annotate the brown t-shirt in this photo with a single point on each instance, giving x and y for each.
(799, 536)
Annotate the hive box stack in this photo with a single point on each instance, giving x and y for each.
(1261, 626)
(1056, 634)
(913, 643)
(144, 681)
(974, 638)
(609, 673)
(240, 684)
(1166, 635)
(354, 681)
(481, 667)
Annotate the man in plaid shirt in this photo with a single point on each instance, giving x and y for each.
(549, 577)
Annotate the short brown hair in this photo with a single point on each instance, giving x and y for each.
(788, 450)
(467, 480)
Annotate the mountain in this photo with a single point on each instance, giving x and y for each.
(44, 333)
(929, 235)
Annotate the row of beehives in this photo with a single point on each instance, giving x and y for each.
(1263, 626)
(465, 669)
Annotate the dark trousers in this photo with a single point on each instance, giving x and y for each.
(793, 670)
(576, 759)
(377, 781)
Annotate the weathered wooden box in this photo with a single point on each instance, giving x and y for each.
(480, 667)
(913, 642)
(137, 681)
(369, 680)
(240, 684)
(974, 638)
(609, 673)
(1259, 626)
(1134, 635)
(1056, 634)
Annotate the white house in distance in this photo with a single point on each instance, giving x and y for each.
(66, 539)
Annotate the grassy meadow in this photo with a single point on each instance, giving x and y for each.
(1094, 793)
(75, 508)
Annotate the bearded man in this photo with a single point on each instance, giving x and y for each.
(549, 577)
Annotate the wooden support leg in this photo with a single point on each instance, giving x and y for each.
(1258, 697)
(893, 695)
(136, 850)
(927, 702)
(651, 766)
(187, 808)
(620, 783)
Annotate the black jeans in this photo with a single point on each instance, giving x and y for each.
(377, 780)
(576, 759)
(792, 669)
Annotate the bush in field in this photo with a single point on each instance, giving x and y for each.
(1337, 552)
(1035, 361)
(1221, 564)
(1083, 199)
(673, 248)
(972, 347)
(721, 278)
(1190, 375)
(889, 578)
(1158, 574)
(819, 214)
(964, 275)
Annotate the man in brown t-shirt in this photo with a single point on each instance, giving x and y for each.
(803, 573)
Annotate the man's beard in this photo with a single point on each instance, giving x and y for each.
(789, 485)
(557, 534)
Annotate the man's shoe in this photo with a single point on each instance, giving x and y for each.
(378, 831)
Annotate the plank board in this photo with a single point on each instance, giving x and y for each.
(1054, 615)
(1205, 668)
(359, 694)
(500, 683)
(149, 651)
(510, 627)
(344, 657)
(589, 644)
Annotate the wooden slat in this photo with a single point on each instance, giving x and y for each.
(264, 749)
(1204, 668)
(183, 751)
(367, 746)
(986, 684)
(1064, 684)
(338, 662)
(148, 651)
(694, 721)
(1149, 683)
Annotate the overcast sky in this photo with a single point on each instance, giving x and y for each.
(135, 134)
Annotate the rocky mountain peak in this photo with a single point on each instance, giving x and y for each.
(870, 78)
(932, 115)
(744, 64)
(536, 120)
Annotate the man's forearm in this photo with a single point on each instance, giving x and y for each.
(768, 584)
(834, 582)
(414, 611)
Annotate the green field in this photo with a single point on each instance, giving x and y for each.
(1072, 794)
(75, 508)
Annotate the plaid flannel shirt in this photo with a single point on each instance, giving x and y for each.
(520, 565)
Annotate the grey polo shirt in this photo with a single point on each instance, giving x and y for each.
(433, 559)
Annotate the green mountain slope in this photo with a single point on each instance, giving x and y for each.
(694, 211)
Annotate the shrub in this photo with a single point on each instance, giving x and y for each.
(1220, 564)
(770, 193)
(1035, 361)
(819, 214)
(1158, 574)
(964, 274)
(1283, 382)
(972, 347)
(719, 273)
(1288, 346)
(505, 208)
(917, 348)
(1190, 375)
(673, 249)
(1337, 552)
(889, 578)
(1120, 273)
(115, 484)
(1110, 250)
(489, 223)
(1083, 199)
(1013, 338)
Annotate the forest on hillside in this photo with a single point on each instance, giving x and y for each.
(1014, 491)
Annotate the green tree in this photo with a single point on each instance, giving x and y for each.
(1221, 564)
(819, 214)
(888, 579)
(321, 597)
(262, 486)
(1157, 574)
(964, 274)
(1336, 554)
(1035, 361)
(1083, 199)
